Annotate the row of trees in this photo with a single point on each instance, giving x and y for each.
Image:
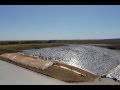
(23, 42)
(107, 41)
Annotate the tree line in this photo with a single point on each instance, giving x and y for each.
(105, 41)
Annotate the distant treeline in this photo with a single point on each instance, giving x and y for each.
(22, 42)
(105, 41)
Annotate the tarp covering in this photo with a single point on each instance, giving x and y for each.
(115, 73)
(87, 57)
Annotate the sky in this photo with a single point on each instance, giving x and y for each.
(56, 22)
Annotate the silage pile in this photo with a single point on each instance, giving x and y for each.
(94, 59)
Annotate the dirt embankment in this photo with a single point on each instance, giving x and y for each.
(54, 69)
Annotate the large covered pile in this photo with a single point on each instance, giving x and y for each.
(93, 59)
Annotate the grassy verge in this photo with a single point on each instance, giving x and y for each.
(18, 47)
(110, 46)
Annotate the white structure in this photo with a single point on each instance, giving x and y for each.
(93, 59)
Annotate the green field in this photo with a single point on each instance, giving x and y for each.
(18, 47)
